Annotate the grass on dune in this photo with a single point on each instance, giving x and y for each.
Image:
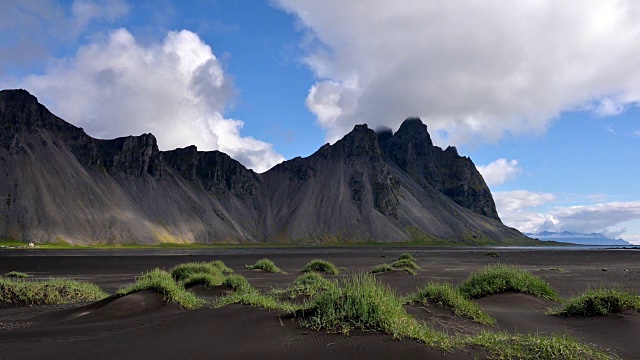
(405, 262)
(446, 296)
(599, 302)
(219, 264)
(203, 279)
(503, 345)
(51, 291)
(244, 293)
(266, 265)
(309, 284)
(386, 267)
(362, 302)
(236, 282)
(16, 274)
(319, 265)
(162, 281)
(182, 271)
(500, 278)
(406, 256)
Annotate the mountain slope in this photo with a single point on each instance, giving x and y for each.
(58, 183)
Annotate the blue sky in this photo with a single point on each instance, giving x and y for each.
(547, 108)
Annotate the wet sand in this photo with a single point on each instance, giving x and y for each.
(142, 326)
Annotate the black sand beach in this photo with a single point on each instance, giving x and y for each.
(142, 326)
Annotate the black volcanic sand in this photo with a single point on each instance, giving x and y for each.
(142, 326)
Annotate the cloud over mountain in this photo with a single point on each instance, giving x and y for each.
(472, 70)
(500, 171)
(176, 89)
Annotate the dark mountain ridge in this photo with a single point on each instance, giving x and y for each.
(59, 184)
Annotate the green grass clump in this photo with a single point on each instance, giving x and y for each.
(599, 302)
(309, 284)
(446, 296)
(405, 263)
(52, 291)
(203, 279)
(163, 282)
(382, 268)
(182, 271)
(16, 274)
(244, 293)
(406, 256)
(236, 282)
(362, 302)
(499, 278)
(319, 265)
(503, 345)
(386, 267)
(221, 266)
(266, 265)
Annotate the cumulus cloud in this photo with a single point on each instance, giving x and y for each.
(472, 70)
(520, 209)
(517, 209)
(175, 89)
(500, 171)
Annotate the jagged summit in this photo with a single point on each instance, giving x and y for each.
(59, 184)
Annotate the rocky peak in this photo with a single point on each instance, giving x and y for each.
(412, 150)
(214, 170)
(361, 141)
(411, 147)
(20, 111)
(132, 155)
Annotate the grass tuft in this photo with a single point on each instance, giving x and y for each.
(387, 267)
(236, 283)
(266, 265)
(406, 256)
(319, 265)
(244, 293)
(500, 278)
(183, 271)
(405, 263)
(599, 302)
(362, 302)
(309, 284)
(16, 274)
(203, 279)
(221, 266)
(162, 281)
(503, 345)
(52, 291)
(446, 296)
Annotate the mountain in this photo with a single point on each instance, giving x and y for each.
(575, 238)
(59, 184)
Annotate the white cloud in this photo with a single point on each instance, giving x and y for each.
(520, 209)
(597, 217)
(500, 171)
(472, 70)
(517, 209)
(175, 89)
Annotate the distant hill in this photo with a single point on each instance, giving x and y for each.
(59, 184)
(574, 238)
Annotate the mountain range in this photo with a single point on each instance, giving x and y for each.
(58, 184)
